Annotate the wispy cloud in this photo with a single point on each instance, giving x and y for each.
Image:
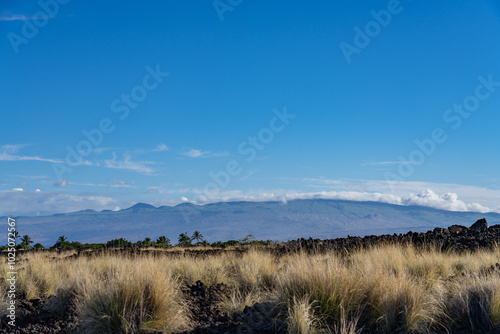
(161, 147)
(7, 16)
(12, 148)
(324, 181)
(195, 153)
(17, 202)
(8, 153)
(162, 190)
(427, 198)
(12, 17)
(470, 194)
(100, 149)
(128, 164)
(112, 184)
(33, 177)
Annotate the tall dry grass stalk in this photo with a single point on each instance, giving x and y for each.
(300, 317)
(396, 288)
(327, 280)
(141, 298)
(389, 288)
(254, 270)
(111, 294)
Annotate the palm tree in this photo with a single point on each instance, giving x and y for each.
(184, 240)
(163, 241)
(26, 240)
(248, 239)
(147, 242)
(197, 236)
(62, 242)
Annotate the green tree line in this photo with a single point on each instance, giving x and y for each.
(183, 240)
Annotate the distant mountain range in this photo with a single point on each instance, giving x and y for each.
(317, 218)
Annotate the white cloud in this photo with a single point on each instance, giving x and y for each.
(7, 16)
(32, 203)
(34, 177)
(427, 198)
(284, 196)
(168, 190)
(194, 153)
(101, 149)
(128, 164)
(469, 194)
(160, 148)
(12, 17)
(8, 153)
(440, 196)
(12, 148)
(448, 201)
(113, 183)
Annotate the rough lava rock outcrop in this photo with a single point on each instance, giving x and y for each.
(481, 225)
(454, 238)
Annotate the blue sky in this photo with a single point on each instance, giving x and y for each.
(226, 100)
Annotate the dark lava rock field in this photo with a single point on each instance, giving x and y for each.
(34, 318)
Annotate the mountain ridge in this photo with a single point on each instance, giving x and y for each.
(317, 218)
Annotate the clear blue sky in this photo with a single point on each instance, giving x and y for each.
(72, 67)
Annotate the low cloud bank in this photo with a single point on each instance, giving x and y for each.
(427, 198)
(33, 203)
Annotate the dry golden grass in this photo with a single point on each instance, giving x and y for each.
(387, 288)
(236, 301)
(140, 298)
(110, 294)
(300, 317)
